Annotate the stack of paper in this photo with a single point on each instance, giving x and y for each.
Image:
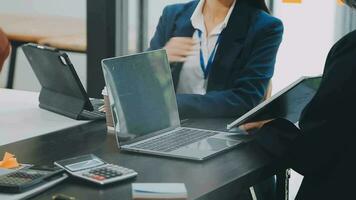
(150, 191)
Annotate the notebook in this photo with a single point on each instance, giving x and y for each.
(157, 191)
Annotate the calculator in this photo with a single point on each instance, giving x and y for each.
(27, 178)
(93, 169)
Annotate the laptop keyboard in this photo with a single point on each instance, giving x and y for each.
(91, 115)
(175, 140)
(96, 113)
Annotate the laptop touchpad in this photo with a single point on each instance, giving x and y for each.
(212, 144)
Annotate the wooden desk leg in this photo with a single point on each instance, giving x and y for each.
(283, 185)
(12, 64)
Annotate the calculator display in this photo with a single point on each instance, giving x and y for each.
(81, 163)
(84, 165)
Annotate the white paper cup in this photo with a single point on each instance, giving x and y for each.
(108, 114)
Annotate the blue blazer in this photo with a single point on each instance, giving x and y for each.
(243, 65)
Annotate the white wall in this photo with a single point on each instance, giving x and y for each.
(309, 34)
(24, 77)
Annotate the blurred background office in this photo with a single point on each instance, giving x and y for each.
(118, 27)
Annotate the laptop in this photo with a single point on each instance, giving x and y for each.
(145, 113)
(61, 92)
(288, 103)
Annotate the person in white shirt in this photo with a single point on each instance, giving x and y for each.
(222, 54)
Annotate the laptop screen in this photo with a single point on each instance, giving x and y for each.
(141, 94)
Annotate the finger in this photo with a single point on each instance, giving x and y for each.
(187, 44)
(176, 59)
(245, 127)
(181, 52)
(250, 126)
(185, 40)
(253, 125)
(242, 127)
(180, 46)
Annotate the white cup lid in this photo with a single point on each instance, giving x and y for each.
(104, 92)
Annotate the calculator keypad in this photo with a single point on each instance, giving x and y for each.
(20, 178)
(107, 172)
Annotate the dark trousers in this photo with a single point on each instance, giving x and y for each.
(266, 190)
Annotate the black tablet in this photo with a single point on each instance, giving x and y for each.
(62, 90)
(288, 103)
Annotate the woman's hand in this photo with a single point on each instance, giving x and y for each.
(254, 125)
(179, 48)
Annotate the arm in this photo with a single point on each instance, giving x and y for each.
(177, 48)
(306, 151)
(248, 86)
(166, 26)
(326, 127)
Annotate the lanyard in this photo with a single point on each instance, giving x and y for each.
(206, 69)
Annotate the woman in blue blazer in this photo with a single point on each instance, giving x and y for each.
(222, 54)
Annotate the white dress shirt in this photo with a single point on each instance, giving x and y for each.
(191, 79)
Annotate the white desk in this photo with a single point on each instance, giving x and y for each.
(21, 118)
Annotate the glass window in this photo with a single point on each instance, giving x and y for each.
(155, 9)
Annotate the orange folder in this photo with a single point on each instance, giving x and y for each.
(9, 161)
(292, 1)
